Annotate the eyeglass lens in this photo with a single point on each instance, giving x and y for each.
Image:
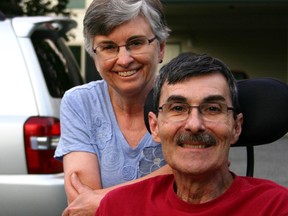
(135, 46)
(209, 111)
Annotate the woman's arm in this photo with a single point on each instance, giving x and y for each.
(88, 200)
(85, 166)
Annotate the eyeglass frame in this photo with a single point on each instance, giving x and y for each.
(188, 112)
(125, 45)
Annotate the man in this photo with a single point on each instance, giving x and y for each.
(197, 121)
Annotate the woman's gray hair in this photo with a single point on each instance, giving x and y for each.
(102, 16)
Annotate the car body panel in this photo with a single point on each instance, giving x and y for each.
(12, 155)
(32, 195)
(24, 93)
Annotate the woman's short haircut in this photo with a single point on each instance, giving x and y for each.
(102, 16)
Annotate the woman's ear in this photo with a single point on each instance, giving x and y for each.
(162, 51)
(154, 126)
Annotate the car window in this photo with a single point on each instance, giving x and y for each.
(60, 69)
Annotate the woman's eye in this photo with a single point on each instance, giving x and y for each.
(109, 47)
(136, 43)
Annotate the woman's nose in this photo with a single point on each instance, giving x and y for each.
(124, 57)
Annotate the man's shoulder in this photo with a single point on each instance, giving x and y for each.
(137, 198)
(270, 197)
(263, 185)
(257, 181)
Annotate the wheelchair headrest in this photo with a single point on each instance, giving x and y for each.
(264, 104)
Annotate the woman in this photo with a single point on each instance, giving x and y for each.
(103, 136)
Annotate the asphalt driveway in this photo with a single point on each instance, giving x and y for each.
(271, 161)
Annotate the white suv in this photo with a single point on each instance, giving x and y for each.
(36, 68)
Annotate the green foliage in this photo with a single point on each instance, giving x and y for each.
(34, 7)
(11, 7)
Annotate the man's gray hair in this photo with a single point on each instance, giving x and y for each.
(187, 65)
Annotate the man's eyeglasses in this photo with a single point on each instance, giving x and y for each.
(109, 50)
(213, 111)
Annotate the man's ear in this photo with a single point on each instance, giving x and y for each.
(237, 128)
(154, 126)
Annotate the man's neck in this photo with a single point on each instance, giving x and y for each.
(202, 188)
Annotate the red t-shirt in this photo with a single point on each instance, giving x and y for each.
(156, 196)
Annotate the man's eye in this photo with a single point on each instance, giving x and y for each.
(178, 108)
(212, 108)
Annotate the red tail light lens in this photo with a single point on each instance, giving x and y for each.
(41, 135)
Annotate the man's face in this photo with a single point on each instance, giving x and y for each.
(196, 145)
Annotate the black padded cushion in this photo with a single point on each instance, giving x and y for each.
(264, 104)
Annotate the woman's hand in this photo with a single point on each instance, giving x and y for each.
(86, 202)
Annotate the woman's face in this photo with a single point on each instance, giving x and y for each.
(127, 73)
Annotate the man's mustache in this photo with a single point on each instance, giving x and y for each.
(199, 137)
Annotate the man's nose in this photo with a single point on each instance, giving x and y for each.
(194, 121)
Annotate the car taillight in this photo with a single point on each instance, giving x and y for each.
(41, 135)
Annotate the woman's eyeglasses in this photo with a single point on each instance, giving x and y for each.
(109, 50)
